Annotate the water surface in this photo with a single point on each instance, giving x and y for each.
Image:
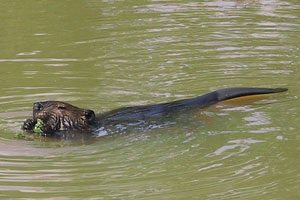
(104, 55)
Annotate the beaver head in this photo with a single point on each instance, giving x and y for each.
(61, 116)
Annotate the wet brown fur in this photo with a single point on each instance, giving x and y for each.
(60, 116)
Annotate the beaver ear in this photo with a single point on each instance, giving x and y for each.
(90, 115)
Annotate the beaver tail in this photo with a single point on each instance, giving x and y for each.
(222, 95)
(231, 93)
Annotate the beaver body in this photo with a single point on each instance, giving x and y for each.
(60, 117)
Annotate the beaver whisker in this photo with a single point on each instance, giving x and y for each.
(68, 122)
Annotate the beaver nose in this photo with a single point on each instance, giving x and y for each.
(37, 106)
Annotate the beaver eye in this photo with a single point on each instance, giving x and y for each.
(61, 108)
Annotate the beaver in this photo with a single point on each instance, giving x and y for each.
(59, 117)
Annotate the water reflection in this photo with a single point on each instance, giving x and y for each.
(242, 144)
(257, 118)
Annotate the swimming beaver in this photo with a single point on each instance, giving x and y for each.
(59, 116)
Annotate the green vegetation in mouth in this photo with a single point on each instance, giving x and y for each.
(37, 128)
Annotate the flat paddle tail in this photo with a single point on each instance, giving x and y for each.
(231, 93)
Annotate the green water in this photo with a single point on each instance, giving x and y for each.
(103, 55)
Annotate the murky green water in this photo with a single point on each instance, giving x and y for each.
(103, 55)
